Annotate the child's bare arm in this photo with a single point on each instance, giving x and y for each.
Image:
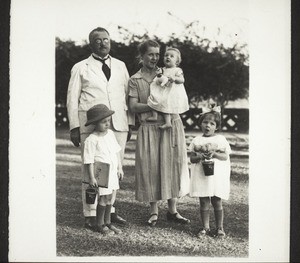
(222, 156)
(195, 157)
(92, 179)
(179, 79)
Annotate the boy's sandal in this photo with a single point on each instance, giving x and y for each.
(104, 230)
(203, 232)
(174, 218)
(88, 225)
(113, 228)
(115, 218)
(152, 222)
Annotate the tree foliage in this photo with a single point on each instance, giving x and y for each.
(211, 70)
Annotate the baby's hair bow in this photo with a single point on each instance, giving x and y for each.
(211, 108)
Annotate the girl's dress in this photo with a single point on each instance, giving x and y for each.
(161, 164)
(214, 185)
(171, 98)
(104, 149)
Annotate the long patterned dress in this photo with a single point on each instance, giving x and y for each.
(161, 163)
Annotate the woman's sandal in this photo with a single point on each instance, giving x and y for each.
(174, 218)
(152, 222)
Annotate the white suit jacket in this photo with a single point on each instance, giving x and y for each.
(88, 86)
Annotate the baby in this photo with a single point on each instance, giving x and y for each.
(167, 92)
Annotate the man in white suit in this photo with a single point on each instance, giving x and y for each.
(98, 79)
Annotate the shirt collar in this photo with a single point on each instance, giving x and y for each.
(97, 56)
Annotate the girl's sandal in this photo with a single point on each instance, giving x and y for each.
(152, 222)
(174, 218)
(220, 233)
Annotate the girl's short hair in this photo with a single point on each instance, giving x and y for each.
(143, 47)
(216, 115)
(178, 53)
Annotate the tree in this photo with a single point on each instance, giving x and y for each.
(212, 71)
(215, 72)
(67, 54)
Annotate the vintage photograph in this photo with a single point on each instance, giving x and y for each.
(152, 128)
(149, 131)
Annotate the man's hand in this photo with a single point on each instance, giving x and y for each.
(120, 174)
(75, 136)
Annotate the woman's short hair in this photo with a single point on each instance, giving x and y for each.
(178, 53)
(216, 116)
(143, 47)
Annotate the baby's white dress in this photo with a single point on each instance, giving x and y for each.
(171, 98)
(214, 185)
(103, 149)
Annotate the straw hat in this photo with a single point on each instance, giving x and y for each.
(97, 113)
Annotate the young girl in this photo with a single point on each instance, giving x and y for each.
(102, 146)
(213, 188)
(170, 98)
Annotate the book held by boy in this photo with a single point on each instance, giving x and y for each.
(101, 173)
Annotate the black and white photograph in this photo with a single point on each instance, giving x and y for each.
(151, 131)
(176, 101)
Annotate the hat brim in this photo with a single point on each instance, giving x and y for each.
(92, 121)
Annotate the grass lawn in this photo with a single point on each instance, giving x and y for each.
(138, 239)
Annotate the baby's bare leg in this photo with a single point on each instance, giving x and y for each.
(167, 124)
(153, 117)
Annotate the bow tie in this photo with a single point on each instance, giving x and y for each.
(105, 67)
(210, 109)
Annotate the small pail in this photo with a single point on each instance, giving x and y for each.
(208, 167)
(90, 195)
